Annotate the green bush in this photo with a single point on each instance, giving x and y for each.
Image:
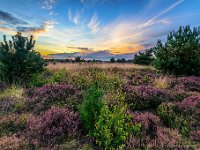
(91, 106)
(180, 55)
(18, 60)
(113, 126)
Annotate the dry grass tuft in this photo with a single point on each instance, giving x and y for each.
(161, 82)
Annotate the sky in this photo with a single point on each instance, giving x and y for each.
(96, 29)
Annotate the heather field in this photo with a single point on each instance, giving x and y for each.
(94, 106)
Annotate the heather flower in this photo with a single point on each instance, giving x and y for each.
(190, 105)
(195, 135)
(13, 143)
(145, 97)
(142, 77)
(149, 124)
(191, 83)
(13, 123)
(7, 104)
(41, 98)
(51, 127)
(167, 138)
(152, 134)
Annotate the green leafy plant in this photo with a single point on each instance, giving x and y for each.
(113, 126)
(180, 55)
(18, 60)
(91, 106)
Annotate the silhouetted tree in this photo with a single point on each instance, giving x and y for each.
(112, 60)
(79, 59)
(122, 60)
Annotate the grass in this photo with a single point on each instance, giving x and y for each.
(13, 91)
(82, 66)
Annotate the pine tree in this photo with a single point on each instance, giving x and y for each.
(180, 55)
(18, 60)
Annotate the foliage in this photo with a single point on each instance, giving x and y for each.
(13, 143)
(167, 114)
(195, 135)
(190, 105)
(148, 132)
(13, 123)
(18, 59)
(41, 98)
(142, 77)
(144, 58)
(145, 97)
(91, 106)
(2, 86)
(152, 135)
(191, 83)
(180, 55)
(173, 119)
(122, 60)
(10, 104)
(112, 60)
(53, 126)
(113, 126)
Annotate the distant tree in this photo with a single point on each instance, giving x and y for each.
(122, 60)
(79, 59)
(180, 55)
(144, 58)
(112, 60)
(18, 60)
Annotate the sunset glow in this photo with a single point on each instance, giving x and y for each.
(96, 27)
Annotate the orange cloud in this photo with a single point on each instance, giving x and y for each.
(126, 48)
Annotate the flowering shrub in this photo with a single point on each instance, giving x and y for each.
(168, 139)
(195, 135)
(190, 105)
(151, 135)
(10, 104)
(51, 127)
(14, 123)
(191, 83)
(7, 104)
(42, 98)
(142, 77)
(145, 97)
(149, 123)
(12, 143)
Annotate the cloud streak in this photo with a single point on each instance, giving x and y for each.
(10, 19)
(94, 23)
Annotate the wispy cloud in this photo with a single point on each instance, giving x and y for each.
(153, 20)
(10, 19)
(48, 4)
(94, 23)
(74, 18)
